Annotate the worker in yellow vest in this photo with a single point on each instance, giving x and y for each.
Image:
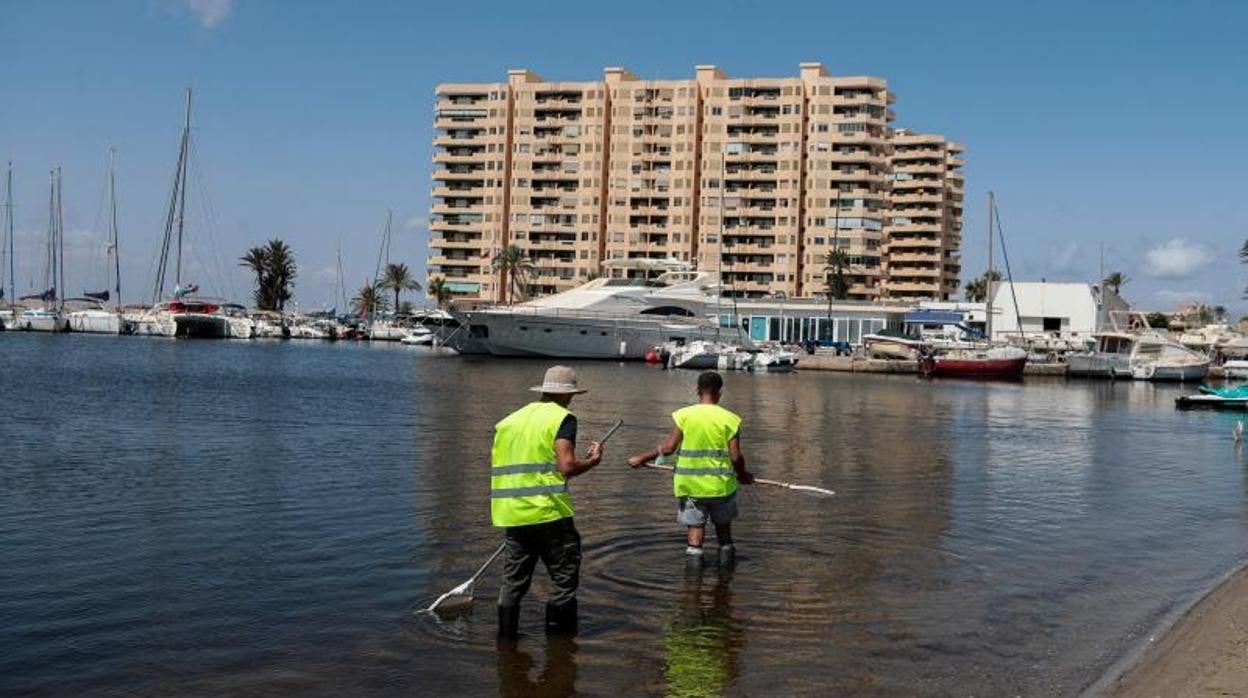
(709, 465)
(534, 455)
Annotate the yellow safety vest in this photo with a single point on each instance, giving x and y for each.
(526, 486)
(703, 467)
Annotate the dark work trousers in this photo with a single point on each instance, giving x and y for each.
(557, 545)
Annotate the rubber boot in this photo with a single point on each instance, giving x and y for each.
(693, 559)
(561, 619)
(508, 622)
(727, 555)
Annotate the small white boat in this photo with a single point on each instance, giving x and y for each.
(879, 346)
(387, 331)
(706, 355)
(1236, 368)
(151, 322)
(418, 337)
(773, 361)
(43, 320)
(96, 321)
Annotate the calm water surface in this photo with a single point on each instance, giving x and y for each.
(258, 518)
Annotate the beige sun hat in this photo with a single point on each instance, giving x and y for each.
(559, 380)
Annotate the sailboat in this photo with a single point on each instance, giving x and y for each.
(99, 319)
(981, 359)
(51, 317)
(8, 317)
(185, 314)
(387, 329)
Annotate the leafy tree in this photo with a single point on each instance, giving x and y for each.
(515, 266)
(977, 289)
(1115, 281)
(439, 290)
(1219, 312)
(398, 278)
(1159, 321)
(369, 300)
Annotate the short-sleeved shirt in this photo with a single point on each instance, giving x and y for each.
(567, 429)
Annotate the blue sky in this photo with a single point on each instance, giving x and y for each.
(1114, 123)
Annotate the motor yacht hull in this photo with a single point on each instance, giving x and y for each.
(553, 336)
(1098, 365)
(1171, 373)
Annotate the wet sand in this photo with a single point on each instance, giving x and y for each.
(1204, 654)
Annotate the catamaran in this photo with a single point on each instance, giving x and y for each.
(185, 314)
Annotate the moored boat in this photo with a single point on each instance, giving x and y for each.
(1215, 398)
(882, 346)
(985, 362)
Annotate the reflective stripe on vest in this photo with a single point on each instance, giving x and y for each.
(703, 464)
(526, 486)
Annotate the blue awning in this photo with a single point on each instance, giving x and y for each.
(933, 317)
(463, 287)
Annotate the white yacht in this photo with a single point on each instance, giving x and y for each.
(1133, 350)
(615, 317)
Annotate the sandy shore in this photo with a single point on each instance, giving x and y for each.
(1204, 654)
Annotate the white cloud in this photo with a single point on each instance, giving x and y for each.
(1177, 258)
(1175, 297)
(1064, 257)
(209, 14)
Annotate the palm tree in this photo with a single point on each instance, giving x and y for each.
(369, 300)
(977, 289)
(439, 290)
(397, 278)
(834, 263)
(515, 266)
(257, 260)
(281, 271)
(1115, 281)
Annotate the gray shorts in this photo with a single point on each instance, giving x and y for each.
(697, 512)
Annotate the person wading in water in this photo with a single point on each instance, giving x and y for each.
(709, 466)
(533, 456)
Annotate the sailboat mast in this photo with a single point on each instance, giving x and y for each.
(339, 291)
(8, 204)
(181, 185)
(60, 244)
(719, 256)
(988, 276)
(50, 249)
(112, 222)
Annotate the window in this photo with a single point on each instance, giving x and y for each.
(717, 111)
(1052, 324)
